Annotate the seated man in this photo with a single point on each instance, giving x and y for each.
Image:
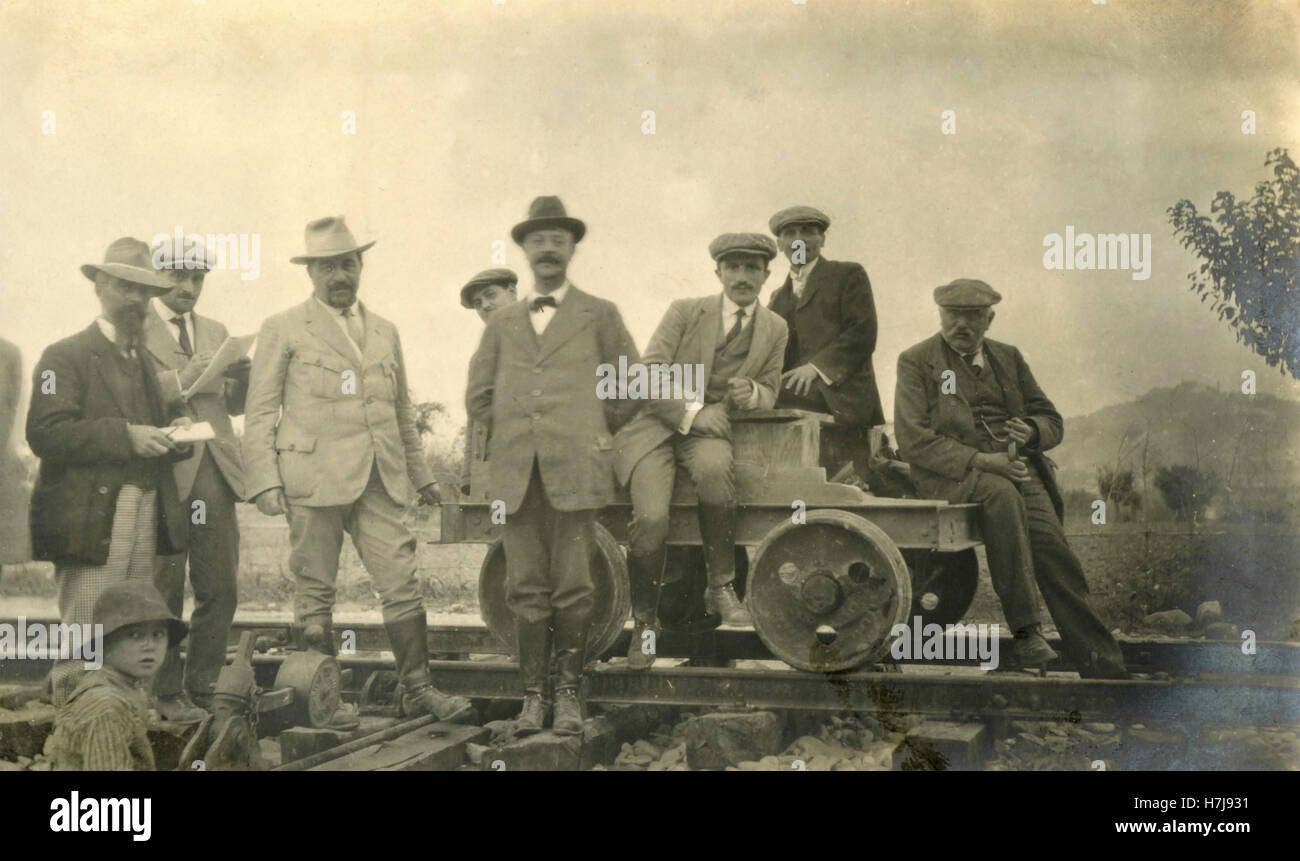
(486, 293)
(961, 402)
(739, 345)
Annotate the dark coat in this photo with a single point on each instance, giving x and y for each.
(537, 396)
(834, 327)
(79, 432)
(935, 431)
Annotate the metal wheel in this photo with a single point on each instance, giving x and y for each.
(613, 599)
(825, 594)
(943, 584)
(681, 604)
(317, 684)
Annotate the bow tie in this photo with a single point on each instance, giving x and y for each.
(541, 302)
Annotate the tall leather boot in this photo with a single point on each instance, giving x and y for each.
(646, 580)
(718, 531)
(570, 660)
(410, 641)
(317, 633)
(534, 666)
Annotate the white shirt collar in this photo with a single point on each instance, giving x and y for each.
(978, 361)
(804, 271)
(109, 330)
(338, 312)
(557, 295)
(167, 313)
(729, 310)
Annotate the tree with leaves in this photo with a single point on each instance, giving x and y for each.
(1186, 490)
(1118, 486)
(1251, 268)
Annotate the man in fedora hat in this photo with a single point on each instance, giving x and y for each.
(211, 480)
(104, 726)
(832, 318)
(486, 293)
(105, 501)
(533, 382)
(330, 442)
(974, 426)
(740, 345)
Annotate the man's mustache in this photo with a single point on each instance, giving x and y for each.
(548, 258)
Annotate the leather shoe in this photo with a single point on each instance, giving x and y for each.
(532, 717)
(1032, 650)
(568, 713)
(178, 708)
(428, 700)
(722, 601)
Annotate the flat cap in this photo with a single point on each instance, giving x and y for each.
(742, 243)
(798, 215)
(504, 277)
(966, 293)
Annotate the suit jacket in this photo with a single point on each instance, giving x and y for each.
(833, 325)
(225, 398)
(934, 429)
(688, 334)
(537, 395)
(79, 432)
(307, 430)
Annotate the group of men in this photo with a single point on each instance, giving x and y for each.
(330, 443)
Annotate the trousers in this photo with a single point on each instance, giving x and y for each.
(548, 557)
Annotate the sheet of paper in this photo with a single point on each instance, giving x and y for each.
(231, 351)
(200, 432)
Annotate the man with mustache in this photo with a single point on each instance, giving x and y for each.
(486, 293)
(740, 346)
(210, 481)
(832, 318)
(533, 383)
(105, 500)
(330, 442)
(963, 401)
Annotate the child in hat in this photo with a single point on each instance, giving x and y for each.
(103, 726)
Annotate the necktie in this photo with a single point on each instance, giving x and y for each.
(355, 331)
(185, 336)
(541, 302)
(735, 330)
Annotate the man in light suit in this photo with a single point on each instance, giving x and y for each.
(330, 440)
(182, 343)
(962, 402)
(832, 318)
(533, 382)
(739, 345)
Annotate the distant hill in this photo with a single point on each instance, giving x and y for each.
(1255, 439)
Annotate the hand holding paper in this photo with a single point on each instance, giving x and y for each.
(227, 354)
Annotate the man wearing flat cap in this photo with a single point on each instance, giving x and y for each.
(183, 344)
(105, 501)
(832, 317)
(486, 293)
(740, 346)
(533, 382)
(974, 426)
(330, 442)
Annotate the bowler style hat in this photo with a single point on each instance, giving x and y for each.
(486, 278)
(742, 243)
(798, 215)
(328, 237)
(129, 259)
(546, 213)
(966, 293)
(129, 603)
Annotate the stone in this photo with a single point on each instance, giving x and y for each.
(1221, 631)
(645, 748)
(1153, 749)
(474, 752)
(6, 765)
(1174, 621)
(23, 731)
(951, 746)
(1207, 612)
(271, 752)
(720, 739)
(546, 751)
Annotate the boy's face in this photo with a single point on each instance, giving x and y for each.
(493, 298)
(137, 650)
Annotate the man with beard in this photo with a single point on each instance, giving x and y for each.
(105, 500)
(487, 292)
(533, 382)
(739, 346)
(832, 318)
(968, 413)
(211, 480)
(330, 442)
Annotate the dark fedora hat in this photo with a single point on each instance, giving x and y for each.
(123, 604)
(544, 213)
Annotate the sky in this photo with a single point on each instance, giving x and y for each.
(228, 117)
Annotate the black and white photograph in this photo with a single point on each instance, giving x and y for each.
(651, 385)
